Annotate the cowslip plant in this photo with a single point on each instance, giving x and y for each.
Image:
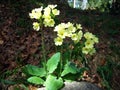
(52, 79)
(59, 67)
(44, 17)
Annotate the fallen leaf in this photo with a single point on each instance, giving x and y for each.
(1, 41)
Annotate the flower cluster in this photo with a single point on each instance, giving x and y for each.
(68, 30)
(75, 33)
(44, 16)
(89, 44)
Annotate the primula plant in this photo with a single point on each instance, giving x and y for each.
(44, 17)
(60, 66)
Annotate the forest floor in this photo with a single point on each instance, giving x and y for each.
(21, 45)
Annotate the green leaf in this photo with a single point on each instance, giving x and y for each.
(53, 62)
(71, 77)
(35, 80)
(70, 68)
(76, 76)
(52, 83)
(34, 70)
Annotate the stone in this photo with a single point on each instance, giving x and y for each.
(80, 86)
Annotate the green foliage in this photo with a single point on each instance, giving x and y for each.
(34, 70)
(52, 83)
(35, 80)
(53, 63)
(76, 52)
(69, 68)
(8, 73)
(41, 76)
(106, 73)
(101, 5)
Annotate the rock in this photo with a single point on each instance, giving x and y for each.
(78, 86)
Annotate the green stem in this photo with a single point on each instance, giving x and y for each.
(84, 61)
(53, 41)
(105, 81)
(43, 48)
(61, 62)
(69, 51)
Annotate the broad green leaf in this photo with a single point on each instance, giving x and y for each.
(71, 77)
(76, 76)
(69, 68)
(53, 62)
(52, 83)
(34, 70)
(35, 80)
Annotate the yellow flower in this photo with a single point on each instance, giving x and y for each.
(49, 22)
(36, 26)
(45, 16)
(68, 33)
(52, 6)
(36, 13)
(79, 36)
(88, 50)
(32, 14)
(62, 33)
(92, 51)
(55, 12)
(69, 24)
(63, 25)
(78, 26)
(95, 39)
(38, 10)
(58, 41)
(70, 27)
(59, 27)
(89, 43)
(85, 50)
(74, 37)
(88, 35)
(47, 11)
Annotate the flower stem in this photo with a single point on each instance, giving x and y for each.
(61, 62)
(43, 48)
